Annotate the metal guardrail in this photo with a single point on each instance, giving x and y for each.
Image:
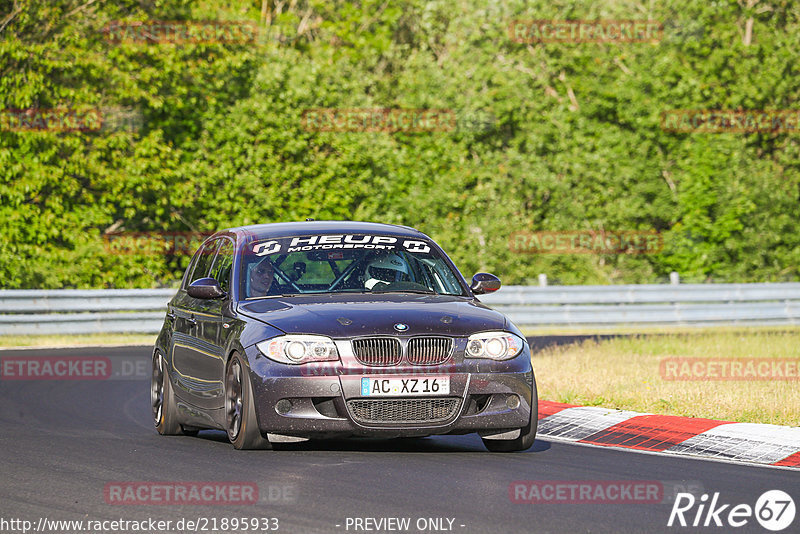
(82, 311)
(75, 311)
(679, 305)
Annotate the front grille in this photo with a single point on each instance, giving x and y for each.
(403, 410)
(377, 350)
(429, 350)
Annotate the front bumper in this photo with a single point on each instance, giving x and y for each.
(314, 401)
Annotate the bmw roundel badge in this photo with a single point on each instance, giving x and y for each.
(400, 327)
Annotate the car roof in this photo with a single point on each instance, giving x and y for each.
(286, 229)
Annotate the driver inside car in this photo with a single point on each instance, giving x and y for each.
(261, 278)
(384, 270)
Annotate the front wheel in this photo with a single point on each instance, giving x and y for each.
(527, 434)
(240, 413)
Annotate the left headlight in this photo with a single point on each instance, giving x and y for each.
(494, 345)
(294, 349)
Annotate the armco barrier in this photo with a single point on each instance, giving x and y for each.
(82, 311)
(678, 304)
(72, 311)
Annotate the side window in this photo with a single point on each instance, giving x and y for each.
(204, 260)
(189, 270)
(221, 270)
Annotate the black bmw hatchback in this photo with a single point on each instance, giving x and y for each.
(293, 331)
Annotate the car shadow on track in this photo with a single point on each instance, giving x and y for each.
(449, 444)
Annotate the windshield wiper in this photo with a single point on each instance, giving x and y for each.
(419, 291)
(250, 299)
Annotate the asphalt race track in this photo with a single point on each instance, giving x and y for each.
(65, 441)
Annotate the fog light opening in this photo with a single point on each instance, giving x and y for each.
(326, 406)
(477, 403)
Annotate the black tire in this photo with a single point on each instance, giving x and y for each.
(240, 412)
(527, 434)
(162, 399)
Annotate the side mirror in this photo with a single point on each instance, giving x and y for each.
(205, 288)
(484, 283)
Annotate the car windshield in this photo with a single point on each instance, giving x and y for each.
(351, 263)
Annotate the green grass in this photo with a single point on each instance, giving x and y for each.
(644, 329)
(77, 340)
(624, 373)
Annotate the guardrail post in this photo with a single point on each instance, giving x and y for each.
(674, 278)
(543, 280)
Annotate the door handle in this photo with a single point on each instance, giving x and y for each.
(192, 322)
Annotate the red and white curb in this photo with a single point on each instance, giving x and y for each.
(670, 434)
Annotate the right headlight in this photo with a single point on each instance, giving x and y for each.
(494, 345)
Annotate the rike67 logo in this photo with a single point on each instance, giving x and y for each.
(774, 510)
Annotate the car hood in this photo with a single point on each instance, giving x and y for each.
(350, 315)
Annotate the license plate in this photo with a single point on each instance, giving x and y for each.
(404, 386)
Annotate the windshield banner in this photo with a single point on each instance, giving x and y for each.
(337, 242)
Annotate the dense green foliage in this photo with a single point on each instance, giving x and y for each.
(574, 142)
